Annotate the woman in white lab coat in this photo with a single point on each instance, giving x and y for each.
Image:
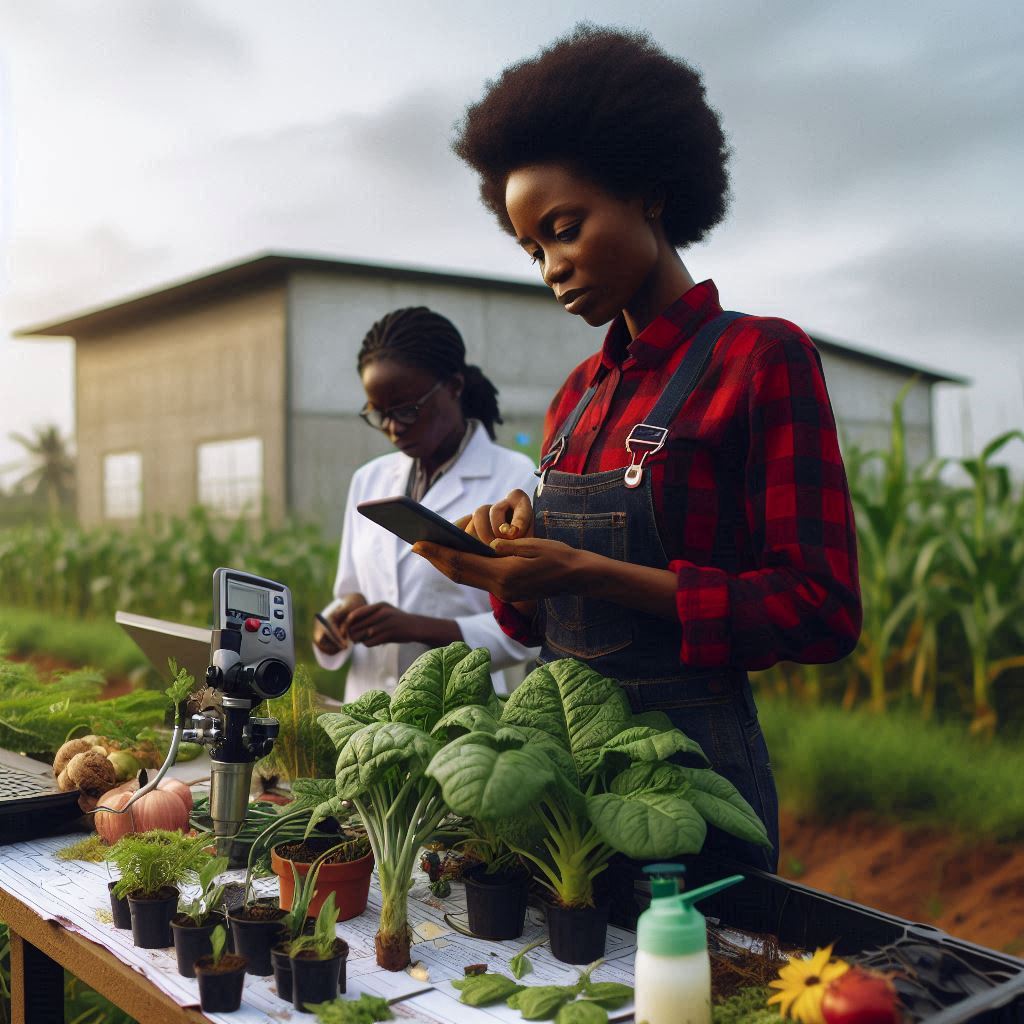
(439, 412)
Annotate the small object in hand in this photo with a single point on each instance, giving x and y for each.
(470, 970)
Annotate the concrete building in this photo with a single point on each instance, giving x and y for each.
(237, 388)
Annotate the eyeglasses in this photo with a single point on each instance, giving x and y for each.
(404, 414)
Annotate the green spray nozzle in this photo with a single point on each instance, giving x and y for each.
(671, 926)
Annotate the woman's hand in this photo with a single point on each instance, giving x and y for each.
(383, 623)
(527, 569)
(508, 519)
(337, 613)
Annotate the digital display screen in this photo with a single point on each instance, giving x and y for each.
(248, 600)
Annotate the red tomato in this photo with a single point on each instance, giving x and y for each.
(861, 997)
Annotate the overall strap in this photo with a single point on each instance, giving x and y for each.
(650, 436)
(554, 453)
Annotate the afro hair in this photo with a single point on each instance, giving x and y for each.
(620, 112)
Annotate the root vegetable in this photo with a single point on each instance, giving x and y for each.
(90, 772)
(68, 751)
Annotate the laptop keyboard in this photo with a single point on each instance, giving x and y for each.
(16, 785)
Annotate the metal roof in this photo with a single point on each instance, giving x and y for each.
(268, 267)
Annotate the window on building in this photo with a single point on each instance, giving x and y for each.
(230, 476)
(122, 485)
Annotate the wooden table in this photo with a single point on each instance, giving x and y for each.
(40, 952)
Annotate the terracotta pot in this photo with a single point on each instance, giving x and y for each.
(349, 881)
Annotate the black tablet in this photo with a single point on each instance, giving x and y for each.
(412, 522)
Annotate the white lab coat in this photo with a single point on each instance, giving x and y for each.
(381, 567)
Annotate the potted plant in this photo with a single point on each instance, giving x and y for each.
(221, 976)
(152, 865)
(197, 917)
(567, 754)
(345, 866)
(295, 923)
(384, 746)
(318, 960)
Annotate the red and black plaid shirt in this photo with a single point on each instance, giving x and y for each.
(749, 491)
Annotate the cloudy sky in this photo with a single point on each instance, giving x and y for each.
(878, 151)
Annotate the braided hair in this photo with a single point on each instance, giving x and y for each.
(417, 336)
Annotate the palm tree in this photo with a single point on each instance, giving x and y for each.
(51, 469)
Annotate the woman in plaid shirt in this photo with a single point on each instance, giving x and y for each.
(692, 520)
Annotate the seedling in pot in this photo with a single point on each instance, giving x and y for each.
(321, 945)
(221, 976)
(198, 908)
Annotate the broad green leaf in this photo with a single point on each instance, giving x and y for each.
(642, 743)
(440, 680)
(582, 1012)
(369, 708)
(575, 706)
(609, 994)
(650, 775)
(647, 824)
(653, 720)
(718, 800)
(541, 1002)
(311, 792)
(485, 989)
(468, 718)
(331, 808)
(374, 750)
(483, 779)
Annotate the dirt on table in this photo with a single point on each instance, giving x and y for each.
(973, 890)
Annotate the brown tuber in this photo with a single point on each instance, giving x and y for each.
(89, 772)
(68, 751)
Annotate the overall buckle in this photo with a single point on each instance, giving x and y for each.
(648, 439)
(547, 462)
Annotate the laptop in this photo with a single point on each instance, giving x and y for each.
(31, 805)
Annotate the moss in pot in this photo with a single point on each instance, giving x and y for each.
(152, 866)
(221, 976)
(197, 917)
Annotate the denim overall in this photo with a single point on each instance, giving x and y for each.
(612, 514)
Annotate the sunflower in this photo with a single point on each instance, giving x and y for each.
(802, 985)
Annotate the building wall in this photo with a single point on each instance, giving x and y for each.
(214, 371)
(521, 340)
(862, 396)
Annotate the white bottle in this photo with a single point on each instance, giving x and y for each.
(673, 972)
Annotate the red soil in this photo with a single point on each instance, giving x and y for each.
(972, 890)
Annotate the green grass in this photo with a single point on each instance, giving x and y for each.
(104, 645)
(96, 642)
(830, 763)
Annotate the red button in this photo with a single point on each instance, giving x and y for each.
(252, 625)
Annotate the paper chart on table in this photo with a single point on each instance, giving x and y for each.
(75, 894)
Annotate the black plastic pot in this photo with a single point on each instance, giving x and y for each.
(119, 908)
(577, 934)
(254, 939)
(496, 904)
(220, 987)
(282, 972)
(192, 941)
(151, 919)
(318, 981)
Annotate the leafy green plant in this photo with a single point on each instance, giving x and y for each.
(384, 746)
(154, 860)
(302, 749)
(567, 756)
(218, 943)
(199, 907)
(322, 942)
(366, 1009)
(37, 715)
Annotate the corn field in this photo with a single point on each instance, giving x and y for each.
(941, 550)
(941, 568)
(163, 569)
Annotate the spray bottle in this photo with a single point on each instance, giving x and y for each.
(673, 972)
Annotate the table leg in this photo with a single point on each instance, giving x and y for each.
(37, 985)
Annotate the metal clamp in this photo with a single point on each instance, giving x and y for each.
(547, 462)
(650, 439)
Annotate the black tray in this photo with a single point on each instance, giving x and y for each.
(809, 918)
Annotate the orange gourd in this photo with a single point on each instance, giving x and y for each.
(165, 807)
